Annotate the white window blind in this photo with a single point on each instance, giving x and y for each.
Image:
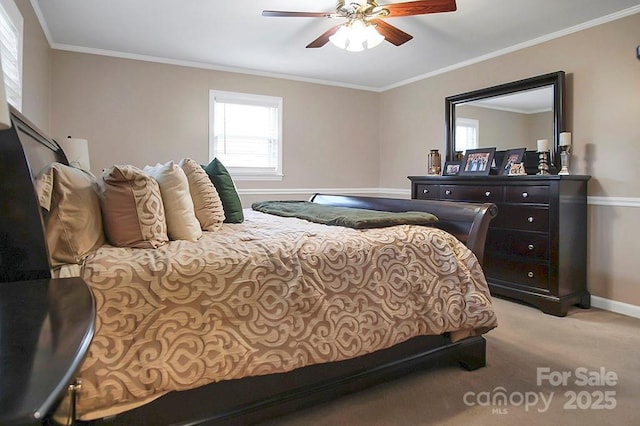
(11, 27)
(467, 131)
(245, 134)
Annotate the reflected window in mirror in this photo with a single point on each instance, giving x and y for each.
(467, 133)
(510, 121)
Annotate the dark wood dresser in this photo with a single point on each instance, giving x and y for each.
(536, 249)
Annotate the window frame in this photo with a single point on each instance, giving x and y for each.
(10, 11)
(469, 123)
(248, 173)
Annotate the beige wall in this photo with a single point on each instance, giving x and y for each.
(140, 113)
(36, 69)
(603, 79)
(603, 97)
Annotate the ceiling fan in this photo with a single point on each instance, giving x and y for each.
(366, 15)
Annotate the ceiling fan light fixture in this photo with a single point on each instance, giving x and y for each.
(340, 38)
(353, 36)
(374, 38)
(355, 47)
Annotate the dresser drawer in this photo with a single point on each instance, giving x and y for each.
(427, 192)
(520, 273)
(524, 218)
(482, 194)
(516, 243)
(527, 194)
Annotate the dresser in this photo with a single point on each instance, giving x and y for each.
(536, 249)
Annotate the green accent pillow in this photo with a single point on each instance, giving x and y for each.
(221, 179)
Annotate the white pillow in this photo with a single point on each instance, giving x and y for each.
(206, 200)
(182, 223)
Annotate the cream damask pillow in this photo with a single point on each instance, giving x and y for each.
(72, 218)
(182, 223)
(132, 208)
(206, 201)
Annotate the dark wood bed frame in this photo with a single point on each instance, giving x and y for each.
(24, 150)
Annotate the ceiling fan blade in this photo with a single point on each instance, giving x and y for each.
(392, 34)
(410, 8)
(324, 38)
(278, 13)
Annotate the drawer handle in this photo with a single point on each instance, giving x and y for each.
(530, 274)
(525, 194)
(531, 246)
(425, 191)
(530, 219)
(447, 192)
(487, 194)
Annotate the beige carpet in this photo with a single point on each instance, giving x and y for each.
(577, 346)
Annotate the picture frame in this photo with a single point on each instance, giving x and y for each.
(511, 157)
(477, 162)
(451, 168)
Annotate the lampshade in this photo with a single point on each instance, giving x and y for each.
(77, 152)
(5, 120)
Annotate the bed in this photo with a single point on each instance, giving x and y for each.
(328, 311)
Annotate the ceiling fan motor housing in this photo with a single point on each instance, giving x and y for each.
(360, 10)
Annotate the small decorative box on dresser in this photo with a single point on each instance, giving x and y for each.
(536, 249)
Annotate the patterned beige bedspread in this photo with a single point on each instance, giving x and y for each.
(269, 295)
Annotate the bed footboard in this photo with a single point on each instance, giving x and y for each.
(256, 399)
(468, 222)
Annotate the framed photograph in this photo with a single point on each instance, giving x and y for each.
(477, 161)
(511, 157)
(451, 168)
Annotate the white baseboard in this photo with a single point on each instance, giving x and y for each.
(615, 306)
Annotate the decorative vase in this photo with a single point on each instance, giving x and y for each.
(434, 166)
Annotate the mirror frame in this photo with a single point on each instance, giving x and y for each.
(555, 79)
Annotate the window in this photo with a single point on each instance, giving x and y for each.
(11, 24)
(245, 133)
(467, 131)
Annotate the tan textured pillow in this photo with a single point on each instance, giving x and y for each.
(182, 223)
(73, 222)
(132, 208)
(206, 200)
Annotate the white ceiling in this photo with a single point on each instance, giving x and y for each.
(232, 35)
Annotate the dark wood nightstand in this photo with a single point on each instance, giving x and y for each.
(45, 329)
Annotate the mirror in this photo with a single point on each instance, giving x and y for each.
(507, 116)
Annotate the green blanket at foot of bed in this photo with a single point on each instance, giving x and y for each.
(343, 216)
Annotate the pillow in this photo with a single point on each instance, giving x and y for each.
(206, 200)
(182, 223)
(221, 179)
(73, 221)
(132, 208)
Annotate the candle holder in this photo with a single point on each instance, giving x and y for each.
(543, 162)
(564, 159)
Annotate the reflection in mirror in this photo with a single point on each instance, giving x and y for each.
(506, 122)
(512, 115)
